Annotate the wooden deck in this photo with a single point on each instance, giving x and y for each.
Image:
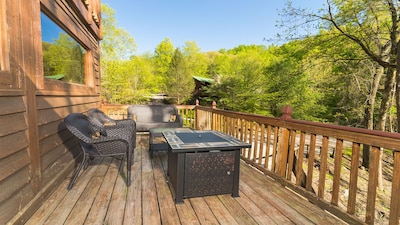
(100, 196)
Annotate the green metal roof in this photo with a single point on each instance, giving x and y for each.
(203, 79)
(56, 76)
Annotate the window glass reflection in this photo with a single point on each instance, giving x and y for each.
(63, 57)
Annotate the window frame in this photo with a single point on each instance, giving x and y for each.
(74, 22)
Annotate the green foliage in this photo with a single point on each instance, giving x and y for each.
(196, 62)
(161, 62)
(118, 75)
(242, 88)
(117, 42)
(129, 82)
(289, 83)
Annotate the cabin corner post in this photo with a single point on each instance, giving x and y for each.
(30, 46)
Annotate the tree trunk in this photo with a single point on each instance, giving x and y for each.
(369, 111)
(383, 111)
(386, 98)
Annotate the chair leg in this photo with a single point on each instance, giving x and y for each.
(128, 169)
(88, 162)
(77, 170)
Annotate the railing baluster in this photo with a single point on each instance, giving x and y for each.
(311, 156)
(261, 155)
(291, 154)
(233, 127)
(373, 170)
(268, 146)
(255, 143)
(355, 155)
(323, 166)
(237, 128)
(299, 162)
(251, 141)
(337, 169)
(274, 149)
(225, 124)
(242, 129)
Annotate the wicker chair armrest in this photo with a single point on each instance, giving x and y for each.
(131, 124)
(118, 131)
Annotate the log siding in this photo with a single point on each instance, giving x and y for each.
(36, 152)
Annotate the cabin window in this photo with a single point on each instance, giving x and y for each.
(63, 56)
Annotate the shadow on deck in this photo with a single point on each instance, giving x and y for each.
(100, 196)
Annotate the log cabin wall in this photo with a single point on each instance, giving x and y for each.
(36, 151)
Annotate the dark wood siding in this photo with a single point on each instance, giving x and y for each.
(36, 151)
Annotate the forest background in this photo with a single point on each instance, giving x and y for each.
(344, 74)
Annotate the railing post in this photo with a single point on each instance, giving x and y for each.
(197, 116)
(213, 116)
(103, 103)
(203, 118)
(394, 199)
(283, 144)
(286, 112)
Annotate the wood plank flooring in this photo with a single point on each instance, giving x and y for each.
(100, 196)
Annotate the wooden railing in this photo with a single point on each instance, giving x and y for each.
(117, 112)
(321, 162)
(121, 112)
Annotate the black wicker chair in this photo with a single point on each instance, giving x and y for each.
(110, 141)
(99, 119)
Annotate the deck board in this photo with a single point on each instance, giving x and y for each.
(100, 196)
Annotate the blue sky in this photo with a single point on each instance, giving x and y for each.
(212, 24)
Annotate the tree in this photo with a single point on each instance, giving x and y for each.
(343, 77)
(197, 62)
(240, 81)
(288, 83)
(117, 43)
(161, 62)
(367, 24)
(179, 81)
(117, 47)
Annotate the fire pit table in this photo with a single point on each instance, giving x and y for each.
(202, 163)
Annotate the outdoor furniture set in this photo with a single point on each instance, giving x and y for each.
(200, 163)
